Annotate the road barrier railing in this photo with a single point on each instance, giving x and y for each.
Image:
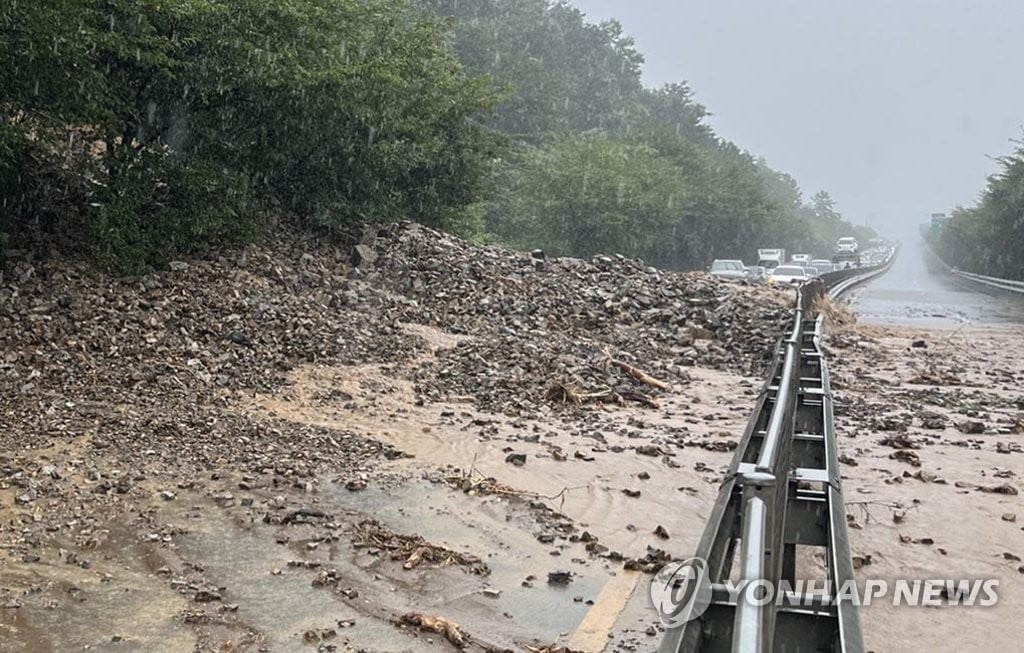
(979, 281)
(780, 500)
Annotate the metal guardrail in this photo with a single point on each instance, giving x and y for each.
(842, 281)
(1008, 285)
(781, 497)
(979, 281)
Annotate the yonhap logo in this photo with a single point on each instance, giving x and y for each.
(681, 591)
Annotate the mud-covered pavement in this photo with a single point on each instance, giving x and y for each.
(420, 445)
(930, 415)
(930, 425)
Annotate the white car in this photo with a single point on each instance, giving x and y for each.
(729, 269)
(822, 265)
(846, 244)
(800, 259)
(788, 275)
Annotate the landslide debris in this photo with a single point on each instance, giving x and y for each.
(560, 327)
(135, 380)
(413, 550)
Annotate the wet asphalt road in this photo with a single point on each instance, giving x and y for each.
(918, 294)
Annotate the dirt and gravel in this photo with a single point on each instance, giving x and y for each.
(931, 428)
(409, 442)
(300, 446)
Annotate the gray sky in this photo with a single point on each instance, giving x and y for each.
(890, 105)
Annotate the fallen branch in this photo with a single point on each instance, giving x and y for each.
(639, 397)
(449, 629)
(638, 374)
(413, 549)
(570, 392)
(897, 509)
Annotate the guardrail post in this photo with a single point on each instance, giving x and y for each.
(754, 622)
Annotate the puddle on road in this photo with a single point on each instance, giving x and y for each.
(505, 538)
(139, 610)
(65, 607)
(279, 607)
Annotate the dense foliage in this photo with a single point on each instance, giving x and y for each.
(133, 130)
(606, 164)
(989, 238)
(141, 128)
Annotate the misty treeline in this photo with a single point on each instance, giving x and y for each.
(135, 130)
(600, 164)
(989, 238)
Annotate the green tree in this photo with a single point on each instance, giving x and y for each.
(824, 207)
(185, 121)
(563, 73)
(590, 194)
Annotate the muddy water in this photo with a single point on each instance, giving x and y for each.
(116, 602)
(128, 600)
(132, 598)
(505, 538)
(578, 464)
(602, 461)
(915, 293)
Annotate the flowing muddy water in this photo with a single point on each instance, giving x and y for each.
(142, 595)
(934, 456)
(930, 425)
(581, 466)
(202, 571)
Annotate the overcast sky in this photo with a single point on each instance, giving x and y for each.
(893, 106)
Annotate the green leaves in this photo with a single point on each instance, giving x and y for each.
(588, 194)
(190, 118)
(655, 182)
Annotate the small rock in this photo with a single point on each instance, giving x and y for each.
(355, 485)
(559, 577)
(363, 256)
(517, 459)
(971, 427)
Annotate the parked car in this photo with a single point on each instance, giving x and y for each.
(800, 259)
(786, 275)
(823, 265)
(728, 269)
(756, 273)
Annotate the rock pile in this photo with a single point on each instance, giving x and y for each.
(133, 377)
(149, 365)
(536, 321)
